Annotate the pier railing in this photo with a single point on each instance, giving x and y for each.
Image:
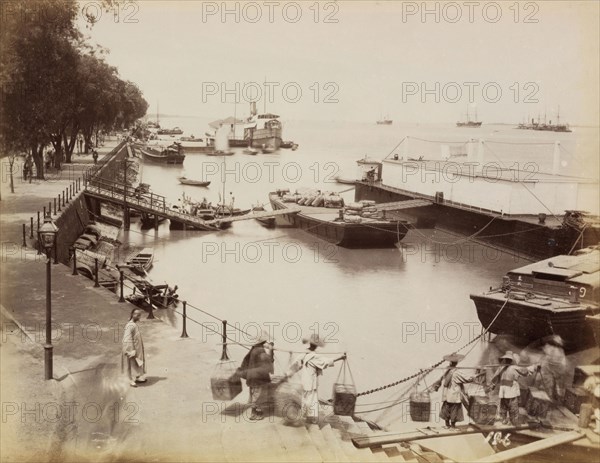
(123, 192)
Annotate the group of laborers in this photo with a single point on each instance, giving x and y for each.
(506, 376)
(257, 368)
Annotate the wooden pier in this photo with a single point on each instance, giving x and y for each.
(126, 197)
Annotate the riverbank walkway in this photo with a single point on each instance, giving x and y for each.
(88, 412)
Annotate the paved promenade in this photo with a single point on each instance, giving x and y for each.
(89, 412)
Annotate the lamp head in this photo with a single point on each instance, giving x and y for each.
(47, 233)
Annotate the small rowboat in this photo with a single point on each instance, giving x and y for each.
(142, 261)
(189, 181)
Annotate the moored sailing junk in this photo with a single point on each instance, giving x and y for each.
(553, 296)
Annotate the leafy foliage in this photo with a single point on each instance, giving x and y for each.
(55, 85)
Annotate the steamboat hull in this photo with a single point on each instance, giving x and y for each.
(530, 322)
(521, 235)
(381, 234)
(266, 137)
(171, 158)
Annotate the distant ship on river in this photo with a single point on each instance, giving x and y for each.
(469, 123)
(548, 127)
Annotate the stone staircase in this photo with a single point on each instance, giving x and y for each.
(330, 441)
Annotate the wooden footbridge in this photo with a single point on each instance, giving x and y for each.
(128, 198)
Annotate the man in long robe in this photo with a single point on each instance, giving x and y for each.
(311, 366)
(133, 360)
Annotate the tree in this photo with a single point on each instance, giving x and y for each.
(54, 85)
(36, 50)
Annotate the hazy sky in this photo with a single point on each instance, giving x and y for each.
(377, 58)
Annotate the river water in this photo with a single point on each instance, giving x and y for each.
(393, 311)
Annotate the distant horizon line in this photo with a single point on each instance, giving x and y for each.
(188, 116)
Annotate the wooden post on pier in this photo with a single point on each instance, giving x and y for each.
(24, 245)
(38, 220)
(156, 221)
(126, 219)
(31, 229)
(121, 282)
(59, 209)
(224, 355)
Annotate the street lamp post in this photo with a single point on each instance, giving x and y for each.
(47, 237)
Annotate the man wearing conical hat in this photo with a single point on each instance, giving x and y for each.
(452, 382)
(258, 366)
(507, 374)
(311, 366)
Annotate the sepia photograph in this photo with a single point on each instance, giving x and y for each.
(300, 231)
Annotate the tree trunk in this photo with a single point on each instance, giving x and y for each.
(11, 163)
(70, 145)
(58, 151)
(38, 160)
(87, 135)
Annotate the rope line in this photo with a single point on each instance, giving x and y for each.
(435, 365)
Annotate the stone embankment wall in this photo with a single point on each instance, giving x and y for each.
(76, 216)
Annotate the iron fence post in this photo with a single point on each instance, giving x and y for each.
(224, 355)
(184, 330)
